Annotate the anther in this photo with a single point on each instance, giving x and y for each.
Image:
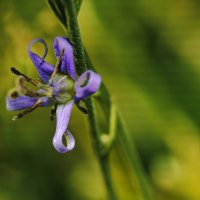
(58, 63)
(28, 110)
(20, 81)
(13, 93)
(53, 112)
(18, 73)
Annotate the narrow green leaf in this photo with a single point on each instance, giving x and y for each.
(78, 5)
(59, 9)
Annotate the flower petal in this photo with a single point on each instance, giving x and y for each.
(23, 102)
(87, 84)
(44, 69)
(67, 63)
(63, 114)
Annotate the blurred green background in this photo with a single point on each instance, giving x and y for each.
(148, 53)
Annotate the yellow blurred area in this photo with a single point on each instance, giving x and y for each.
(148, 53)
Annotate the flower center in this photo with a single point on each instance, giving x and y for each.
(61, 88)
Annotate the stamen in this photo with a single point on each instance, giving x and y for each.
(31, 93)
(21, 89)
(28, 110)
(58, 63)
(53, 112)
(20, 81)
(30, 80)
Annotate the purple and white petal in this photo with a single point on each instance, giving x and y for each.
(62, 117)
(87, 84)
(67, 63)
(23, 102)
(44, 69)
(20, 103)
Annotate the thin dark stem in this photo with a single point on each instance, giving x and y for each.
(56, 68)
(27, 111)
(28, 79)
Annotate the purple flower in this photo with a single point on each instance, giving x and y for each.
(59, 87)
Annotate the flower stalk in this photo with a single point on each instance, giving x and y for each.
(109, 110)
(101, 145)
(81, 66)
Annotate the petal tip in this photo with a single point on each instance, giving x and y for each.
(60, 147)
(87, 84)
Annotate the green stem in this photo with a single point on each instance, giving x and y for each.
(81, 66)
(82, 62)
(58, 9)
(108, 139)
(103, 158)
(107, 176)
(130, 149)
(133, 156)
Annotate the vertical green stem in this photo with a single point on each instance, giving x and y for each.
(103, 159)
(82, 61)
(135, 161)
(129, 147)
(81, 66)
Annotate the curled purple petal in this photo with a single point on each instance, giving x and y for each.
(23, 102)
(44, 69)
(63, 114)
(87, 84)
(67, 63)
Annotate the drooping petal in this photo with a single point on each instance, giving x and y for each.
(67, 63)
(44, 69)
(62, 117)
(87, 84)
(23, 102)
